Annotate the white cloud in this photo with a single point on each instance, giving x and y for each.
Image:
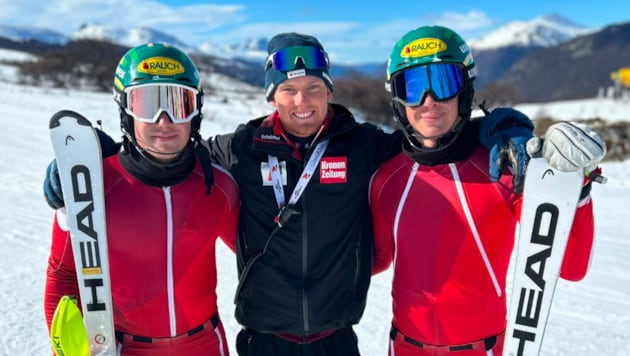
(268, 29)
(469, 25)
(469, 21)
(355, 40)
(66, 16)
(375, 40)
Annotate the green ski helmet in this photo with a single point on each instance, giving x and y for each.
(154, 63)
(432, 44)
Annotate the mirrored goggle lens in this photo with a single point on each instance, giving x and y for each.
(287, 59)
(147, 102)
(443, 80)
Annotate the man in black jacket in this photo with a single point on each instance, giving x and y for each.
(306, 250)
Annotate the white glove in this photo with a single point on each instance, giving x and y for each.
(568, 147)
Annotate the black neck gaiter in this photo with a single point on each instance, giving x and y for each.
(158, 174)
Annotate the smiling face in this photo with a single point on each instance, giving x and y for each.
(302, 104)
(432, 119)
(162, 140)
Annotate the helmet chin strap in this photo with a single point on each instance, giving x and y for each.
(418, 137)
(145, 152)
(141, 149)
(162, 153)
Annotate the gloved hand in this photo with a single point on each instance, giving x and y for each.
(505, 132)
(52, 186)
(53, 194)
(568, 147)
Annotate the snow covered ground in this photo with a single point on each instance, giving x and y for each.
(591, 317)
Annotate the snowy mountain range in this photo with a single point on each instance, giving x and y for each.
(129, 37)
(517, 62)
(252, 48)
(543, 31)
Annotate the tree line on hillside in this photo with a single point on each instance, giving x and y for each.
(91, 64)
(80, 64)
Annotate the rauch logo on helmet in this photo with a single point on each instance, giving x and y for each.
(423, 47)
(161, 66)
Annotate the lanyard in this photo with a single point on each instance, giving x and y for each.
(285, 214)
(305, 177)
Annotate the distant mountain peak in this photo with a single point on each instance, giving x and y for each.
(129, 37)
(248, 49)
(251, 44)
(23, 33)
(543, 31)
(557, 19)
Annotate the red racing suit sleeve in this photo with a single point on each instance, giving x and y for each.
(61, 277)
(383, 232)
(228, 235)
(226, 183)
(577, 256)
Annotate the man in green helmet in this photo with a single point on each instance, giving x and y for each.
(165, 207)
(448, 212)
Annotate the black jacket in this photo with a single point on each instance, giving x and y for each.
(316, 271)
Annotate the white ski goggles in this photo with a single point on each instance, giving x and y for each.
(147, 102)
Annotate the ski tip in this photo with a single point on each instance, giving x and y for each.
(55, 120)
(67, 331)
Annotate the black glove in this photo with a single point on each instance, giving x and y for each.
(52, 186)
(505, 133)
(53, 194)
(109, 147)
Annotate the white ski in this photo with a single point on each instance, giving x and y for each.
(78, 154)
(550, 198)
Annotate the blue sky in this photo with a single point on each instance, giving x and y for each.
(349, 31)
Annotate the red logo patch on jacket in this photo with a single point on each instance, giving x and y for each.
(333, 170)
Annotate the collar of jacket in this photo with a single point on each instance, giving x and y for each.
(271, 138)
